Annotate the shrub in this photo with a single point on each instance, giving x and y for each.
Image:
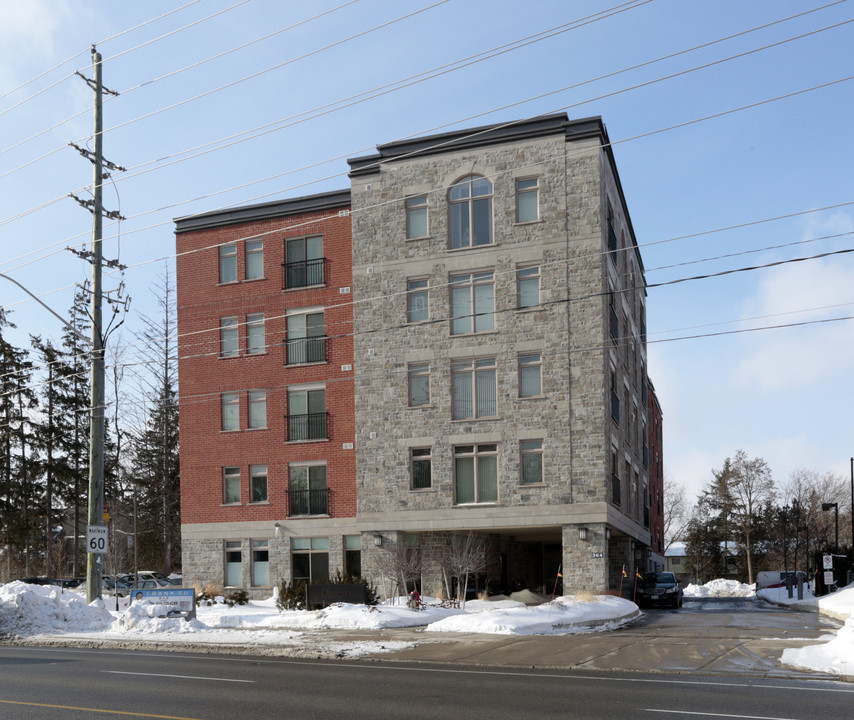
(208, 594)
(236, 596)
(291, 595)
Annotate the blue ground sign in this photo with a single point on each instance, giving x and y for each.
(180, 601)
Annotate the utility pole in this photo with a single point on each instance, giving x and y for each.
(97, 380)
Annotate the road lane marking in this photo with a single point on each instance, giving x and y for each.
(180, 677)
(96, 710)
(717, 715)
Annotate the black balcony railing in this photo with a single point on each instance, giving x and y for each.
(304, 273)
(299, 351)
(311, 426)
(615, 489)
(308, 502)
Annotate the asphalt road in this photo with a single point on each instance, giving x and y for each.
(52, 683)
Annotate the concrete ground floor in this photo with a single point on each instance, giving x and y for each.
(554, 549)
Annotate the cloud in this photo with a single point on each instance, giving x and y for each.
(29, 36)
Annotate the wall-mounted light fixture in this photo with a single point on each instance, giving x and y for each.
(582, 533)
(607, 533)
(378, 540)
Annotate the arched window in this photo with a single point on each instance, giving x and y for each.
(470, 202)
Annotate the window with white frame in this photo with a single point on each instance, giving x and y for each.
(472, 302)
(227, 263)
(421, 464)
(470, 208)
(228, 340)
(307, 490)
(230, 402)
(476, 473)
(304, 262)
(310, 559)
(260, 563)
(530, 375)
(257, 409)
(527, 199)
(528, 286)
(419, 384)
(256, 342)
(531, 461)
(231, 485)
(307, 414)
(233, 563)
(417, 298)
(416, 216)
(474, 388)
(254, 259)
(306, 337)
(257, 483)
(353, 556)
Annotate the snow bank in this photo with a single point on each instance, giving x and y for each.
(720, 588)
(44, 609)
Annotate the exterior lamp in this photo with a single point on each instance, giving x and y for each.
(835, 506)
(378, 540)
(582, 533)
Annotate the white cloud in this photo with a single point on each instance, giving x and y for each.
(30, 35)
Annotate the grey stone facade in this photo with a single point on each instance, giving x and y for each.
(587, 364)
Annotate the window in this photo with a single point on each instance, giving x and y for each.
(416, 216)
(527, 200)
(256, 342)
(231, 485)
(615, 479)
(530, 375)
(257, 483)
(304, 262)
(257, 409)
(421, 461)
(419, 384)
(528, 286)
(310, 559)
(230, 411)
(254, 259)
(476, 473)
(472, 303)
(228, 337)
(416, 300)
(307, 414)
(308, 494)
(531, 461)
(306, 338)
(228, 263)
(353, 556)
(260, 563)
(615, 399)
(474, 388)
(233, 564)
(470, 202)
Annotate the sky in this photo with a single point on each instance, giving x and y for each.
(730, 125)
(41, 611)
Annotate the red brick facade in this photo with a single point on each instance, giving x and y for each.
(206, 449)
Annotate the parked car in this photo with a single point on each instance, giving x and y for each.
(143, 575)
(41, 581)
(154, 584)
(659, 587)
(109, 586)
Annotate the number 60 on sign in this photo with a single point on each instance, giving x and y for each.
(96, 538)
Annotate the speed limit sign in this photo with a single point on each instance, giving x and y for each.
(96, 538)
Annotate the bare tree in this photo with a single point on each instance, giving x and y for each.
(751, 488)
(400, 565)
(464, 556)
(677, 512)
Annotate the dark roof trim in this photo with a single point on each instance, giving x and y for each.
(458, 140)
(335, 200)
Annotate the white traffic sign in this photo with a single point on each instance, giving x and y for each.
(96, 539)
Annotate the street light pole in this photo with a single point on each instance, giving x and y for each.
(835, 506)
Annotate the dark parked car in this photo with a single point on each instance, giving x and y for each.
(659, 587)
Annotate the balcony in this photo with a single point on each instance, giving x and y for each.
(311, 426)
(308, 502)
(303, 273)
(301, 351)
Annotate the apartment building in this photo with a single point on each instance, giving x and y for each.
(266, 393)
(455, 347)
(500, 343)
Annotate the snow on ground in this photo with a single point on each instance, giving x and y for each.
(49, 613)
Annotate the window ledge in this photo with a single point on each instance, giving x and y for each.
(246, 280)
(229, 282)
(229, 357)
(491, 418)
(235, 504)
(532, 485)
(309, 517)
(304, 287)
(427, 406)
(531, 308)
(307, 364)
(531, 397)
(475, 334)
(256, 354)
(420, 237)
(477, 504)
(229, 432)
(254, 429)
(528, 222)
(260, 502)
(472, 247)
(306, 440)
